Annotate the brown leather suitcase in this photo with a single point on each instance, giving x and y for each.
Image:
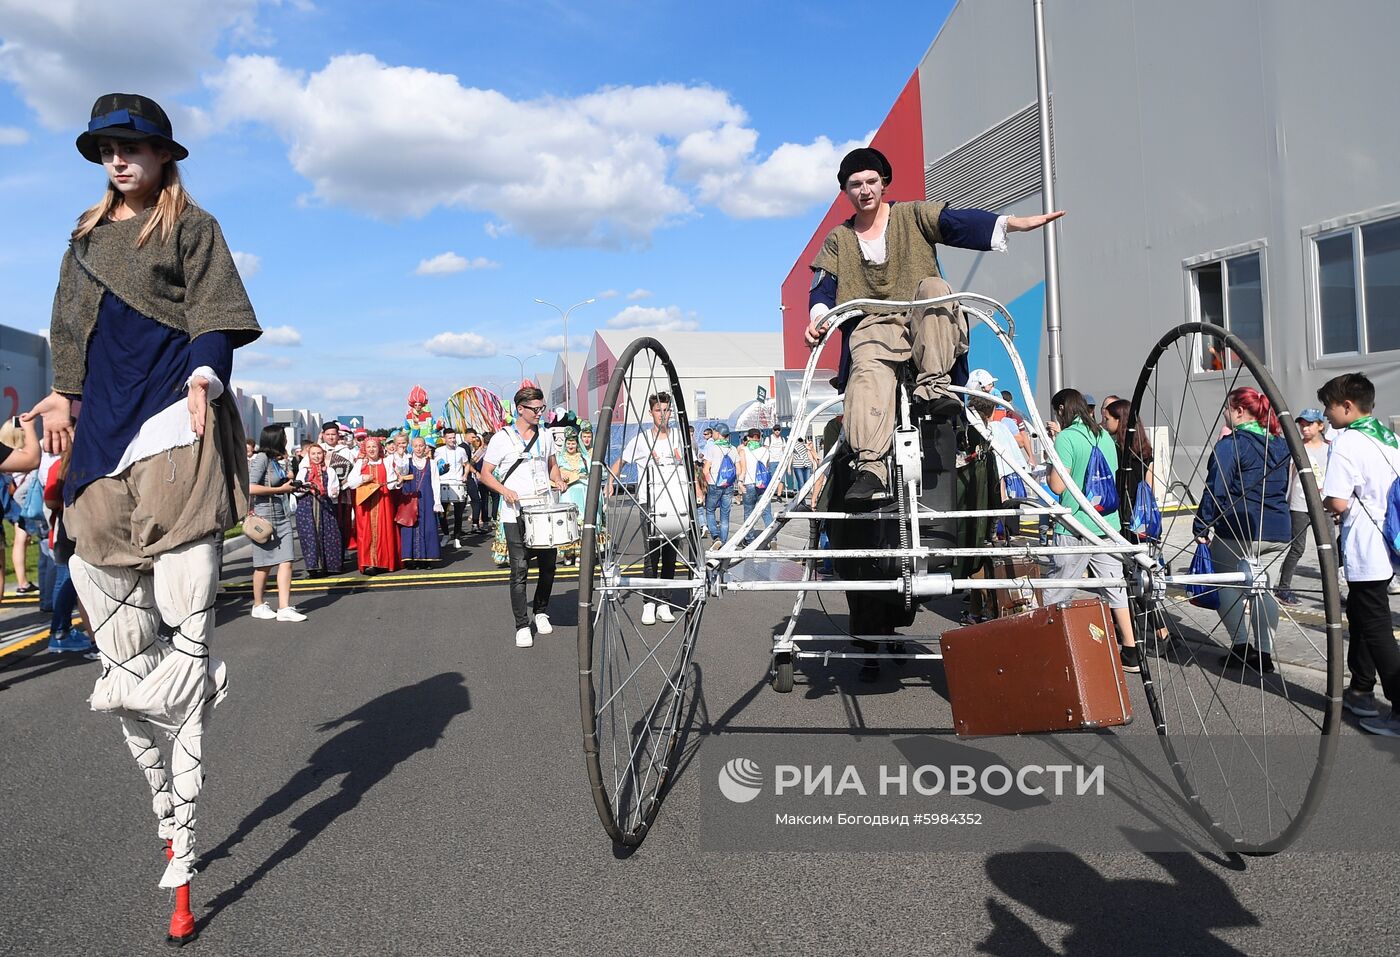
(1052, 669)
(1009, 601)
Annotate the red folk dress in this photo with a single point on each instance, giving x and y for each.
(376, 535)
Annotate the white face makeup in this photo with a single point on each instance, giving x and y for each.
(865, 190)
(133, 166)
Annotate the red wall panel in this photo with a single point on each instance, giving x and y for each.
(901, 139)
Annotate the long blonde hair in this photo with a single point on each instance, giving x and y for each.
(171, 201)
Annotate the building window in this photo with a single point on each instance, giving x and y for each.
(702, 407)
(557, 396)
(598, 375)
(1357, 278)
(1229, 292)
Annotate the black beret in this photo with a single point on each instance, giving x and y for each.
(862, 159)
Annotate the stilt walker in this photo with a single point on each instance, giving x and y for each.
(148, 312)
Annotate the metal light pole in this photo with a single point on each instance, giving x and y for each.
(522, 361)
(564, 314)
(1047, 202)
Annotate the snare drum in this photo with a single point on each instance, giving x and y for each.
(454, 491)
(549, 526)
(665, 494)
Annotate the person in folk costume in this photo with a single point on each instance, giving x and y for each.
(377, 538)
(340, 459)
(418, 422)
(573, 467)
(322, 548)
(423, 486)
(148, 311)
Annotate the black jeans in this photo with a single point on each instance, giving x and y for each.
(545, 559)
(456, 510)
(1371, 648)
(660, 551)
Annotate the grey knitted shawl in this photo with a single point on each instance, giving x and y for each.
(188, 283)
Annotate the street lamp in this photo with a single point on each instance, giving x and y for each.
(522, 361)
(564, 314)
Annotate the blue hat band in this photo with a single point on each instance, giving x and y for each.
(128, 119)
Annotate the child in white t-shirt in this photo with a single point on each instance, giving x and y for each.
(1363, 463)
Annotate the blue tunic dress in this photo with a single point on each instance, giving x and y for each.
(420, 542)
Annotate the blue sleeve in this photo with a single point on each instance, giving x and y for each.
(1213, 493)
(215, 350)
(823, 289)
(967, 228)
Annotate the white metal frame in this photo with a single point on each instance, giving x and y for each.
(1352, 225)
(1104, 539)
(1191, 266)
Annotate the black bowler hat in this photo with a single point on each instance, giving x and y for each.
(127, 116)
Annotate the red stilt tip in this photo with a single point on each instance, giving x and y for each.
(182, 929)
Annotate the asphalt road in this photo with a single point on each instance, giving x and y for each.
(394, 777)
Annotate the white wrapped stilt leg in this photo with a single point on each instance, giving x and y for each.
(124, 625)
(170, 686)
(186, 584)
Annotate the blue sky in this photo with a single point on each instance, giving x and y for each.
(401, 180)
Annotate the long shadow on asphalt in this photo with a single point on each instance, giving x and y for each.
(382, 734)
(37, 666)
(1106, 916)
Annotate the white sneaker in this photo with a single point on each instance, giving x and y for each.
(523, 638)
(663, 612)
(649, 613)
(542, 625)
(289, 614)
(264, 611)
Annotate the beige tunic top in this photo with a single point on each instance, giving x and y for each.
(910, 236)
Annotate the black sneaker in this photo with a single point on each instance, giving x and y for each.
(939, 407)
(867, 488)
(1132, 662)
(1241, 656)
(1285, 596)
(1360, 703)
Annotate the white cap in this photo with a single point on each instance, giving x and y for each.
(981, 380)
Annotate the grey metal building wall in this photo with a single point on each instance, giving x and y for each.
(1181, 129)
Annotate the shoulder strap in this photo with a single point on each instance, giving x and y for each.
(524, 454)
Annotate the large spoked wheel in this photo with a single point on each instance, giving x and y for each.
(1246, 698)
(639, 528)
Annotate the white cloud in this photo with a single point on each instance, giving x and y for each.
(13, 135)
(608, 294)
(636, 294)
(61, 55)
(248, 264)
(341, 391)
(450, 262)
(788, 181)
(251, 358)
(607, 168)
(555, 343)
(281, 336)
(655, 318)
(460, 345)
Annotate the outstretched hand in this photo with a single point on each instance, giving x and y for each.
(56, 410)
(1024, 224)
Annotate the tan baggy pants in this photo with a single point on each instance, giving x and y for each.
(934, 336)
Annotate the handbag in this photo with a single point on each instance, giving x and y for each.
(257, 528)
(406, 512)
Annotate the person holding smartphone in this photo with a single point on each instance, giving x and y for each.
(269, 487)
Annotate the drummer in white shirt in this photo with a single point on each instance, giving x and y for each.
(664, 449)
(524, 455)
(456, 467)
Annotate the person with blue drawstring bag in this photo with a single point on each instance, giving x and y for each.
(1243, 519)
(1362, 490)
(1089, 455)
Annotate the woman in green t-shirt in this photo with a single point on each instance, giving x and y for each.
(1079, 434)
